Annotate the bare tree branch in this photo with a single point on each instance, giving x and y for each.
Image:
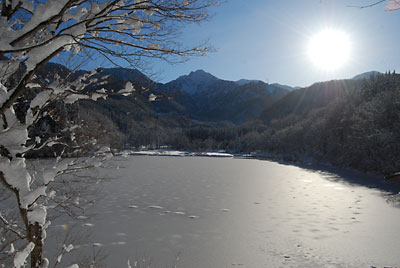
(367, 6)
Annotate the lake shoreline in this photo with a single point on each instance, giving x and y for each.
(370, 179)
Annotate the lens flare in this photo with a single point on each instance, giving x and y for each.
(329, 49)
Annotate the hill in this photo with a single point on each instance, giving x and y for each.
(304, 100)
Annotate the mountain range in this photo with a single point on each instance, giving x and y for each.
(350, 122)
(203, 97)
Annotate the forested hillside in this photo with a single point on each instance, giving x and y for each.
(359, 129)
(306, 99)
(350, 123)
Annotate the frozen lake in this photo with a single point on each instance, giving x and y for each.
(229, 212)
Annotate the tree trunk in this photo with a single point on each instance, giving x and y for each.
(36, 236)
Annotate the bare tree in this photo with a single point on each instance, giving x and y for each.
(34, 32)
(391, 5)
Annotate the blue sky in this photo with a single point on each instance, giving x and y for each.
(267, 40)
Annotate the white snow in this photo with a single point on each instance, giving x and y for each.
(213, 154)
(179, 153)
(155, 207)
(68, 248)
(120, 243)
(128, 89)
(152, 97)
(196, 82)
(21, 256)
(18, 177)
(159, 152)
(38, 214)
(392, 5)
(284, 205)
(12, 249)
(179, 213)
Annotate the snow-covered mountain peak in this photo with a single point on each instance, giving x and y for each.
(195, 82)
(200, 76)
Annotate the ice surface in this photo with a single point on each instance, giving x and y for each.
(245, 212)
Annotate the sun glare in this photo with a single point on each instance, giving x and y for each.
(329, 49)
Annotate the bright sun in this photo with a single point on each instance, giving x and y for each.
(329, 49)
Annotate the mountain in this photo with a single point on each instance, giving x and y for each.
(366, 75)
(246, 81)
(202, 96)
(300, 101)
(207, 98)
(193, 83)
(349, 123)
(198, 95)
(289, 88)
(183, 110)
(306, 99)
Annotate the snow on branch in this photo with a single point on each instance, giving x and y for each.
(21, 256)
(34, 32)
(128, 30)
(393, 5)
(11, 228)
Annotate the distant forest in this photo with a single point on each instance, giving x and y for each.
(347, 123)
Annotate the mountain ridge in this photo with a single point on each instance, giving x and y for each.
(202, 96)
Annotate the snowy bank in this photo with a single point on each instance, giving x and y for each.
(178, 153)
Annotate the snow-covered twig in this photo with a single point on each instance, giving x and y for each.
(10, 227)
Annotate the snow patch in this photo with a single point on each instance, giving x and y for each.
(21, 256)
(155, 207)
(179, 153)
(38, 215)
(179, 213)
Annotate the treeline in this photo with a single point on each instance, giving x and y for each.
(358, 128)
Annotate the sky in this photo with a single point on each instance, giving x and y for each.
(268, 39)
